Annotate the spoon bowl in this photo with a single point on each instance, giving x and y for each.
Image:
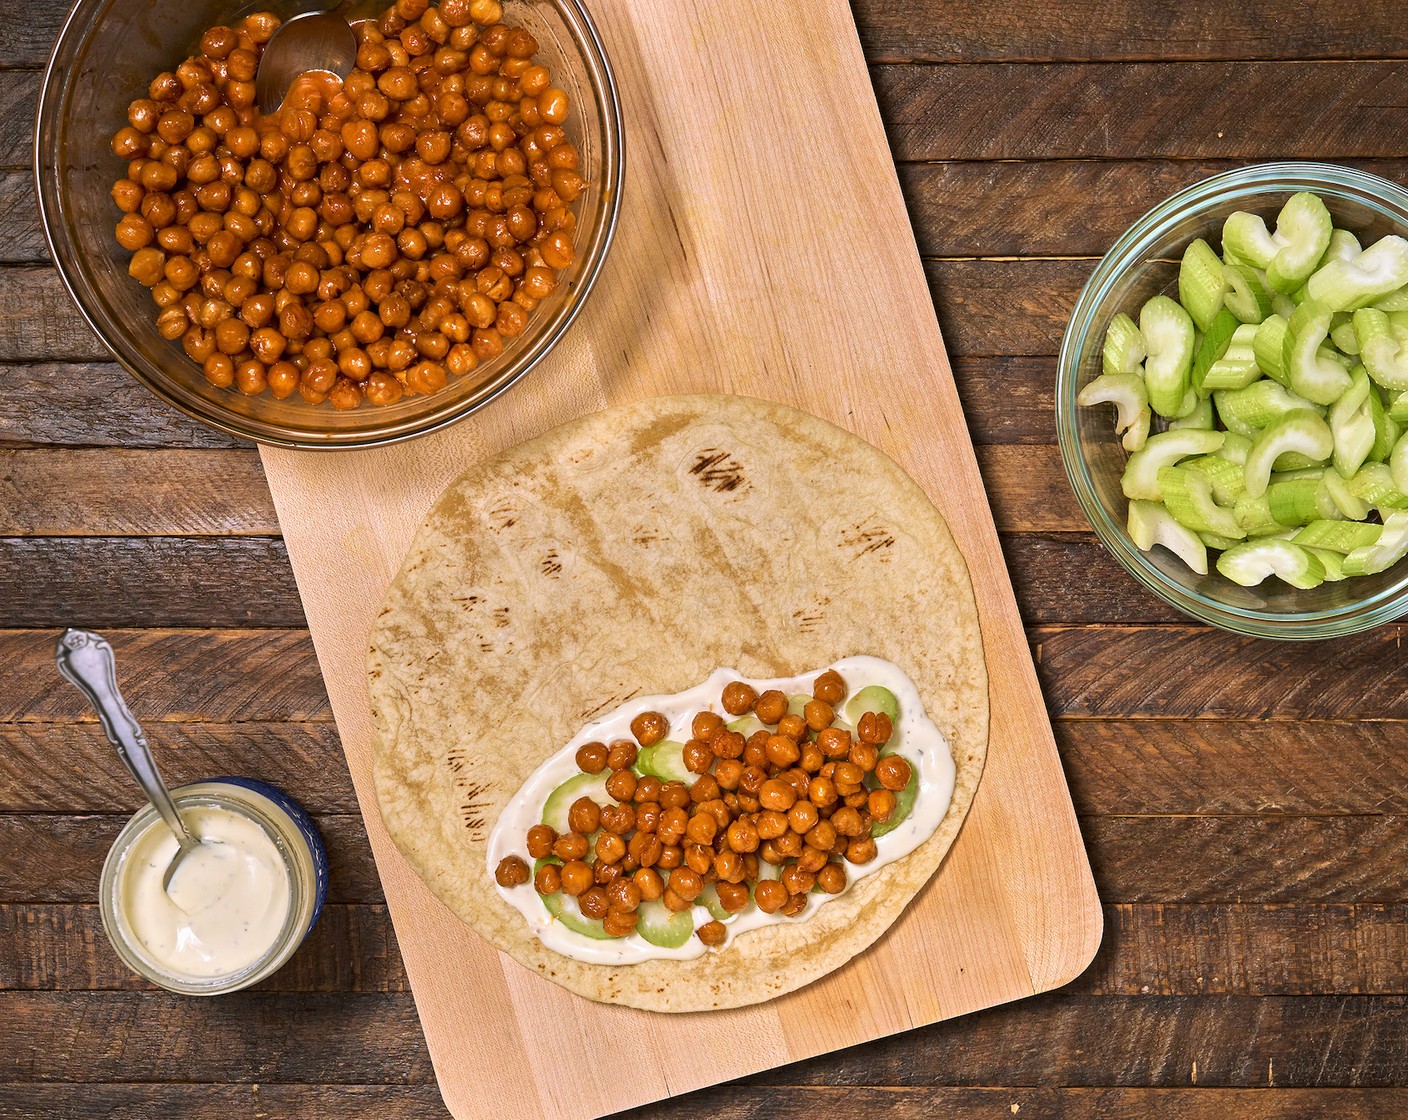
(316, 41)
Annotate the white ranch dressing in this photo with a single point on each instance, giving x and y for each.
(227, 901)
(919, 742)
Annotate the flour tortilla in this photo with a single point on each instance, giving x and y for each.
(632, 552)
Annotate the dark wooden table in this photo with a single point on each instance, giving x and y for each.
(1243, 801)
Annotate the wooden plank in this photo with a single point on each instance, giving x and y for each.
(1252, 767)
(184, 675)
(1178, 950)
(1071, 578)
(974, 31)
(1061, 208)
(1165, 672)
(1137, 859)
(70, 768)
(58, 858)
(63, 492)
(21, 238)
(1115, 767)
(985, 307)
(63, 947)
(183, 581)
(1236, 1041)
(726, 1102)
(19, 93)
(1155, 110)
(92, 404)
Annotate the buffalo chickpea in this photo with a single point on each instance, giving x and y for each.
(770, 895)
(650, 884)
(610, 848)
(818, 715)
(713, 934)
(861, 849)
(591, 757)
(777, 795)
(570, 846)
(880, 803)
(893, 772)
(738, 697)
(782, 751)
(727, 744)
(686, 883)
(796, 879)
(874, 728)
(733, 897)
(540, 840)
(831, 878)
(511, 872)
(803, 817)
(743, 836)
(697, 757)
(584, 816)
(674, 795)
(793, 726)
(847, 822)
(702, 828)
(829, 687)
(548, 879)
(770, 824)
(593, 902)
(649, 727)
(621, 785)
(576, 877)
(619, 922)
(770, 706)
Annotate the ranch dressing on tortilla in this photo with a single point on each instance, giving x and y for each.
(919, 741)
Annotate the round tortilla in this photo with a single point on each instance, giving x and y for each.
(633, 552)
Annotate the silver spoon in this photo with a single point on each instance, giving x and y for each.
(313, 41)
(85, 659)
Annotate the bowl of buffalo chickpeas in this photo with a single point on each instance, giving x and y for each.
(378, 258)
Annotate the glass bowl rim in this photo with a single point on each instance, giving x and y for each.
(50, 191)
(1128, 252)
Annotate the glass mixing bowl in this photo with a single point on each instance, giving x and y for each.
(1143, 263)
(108, 52)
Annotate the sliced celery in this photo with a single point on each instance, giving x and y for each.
(1396, 300)
(1212, 540)
(1383, 345)
(1189, 500)
(1138, 432)
(1386, 429)
(1250, 563)
(1141, 473)
(1237, 367)
(1211, 348)
(1349, 505)
(1332, 562)
(1247, 297)
(1299, 430)
(1234, 448)
(1226, 477)
(1343, 246)
(1124, 346)
(1150, 524)
(1169, 339)
(1385, 552)
(1123, 390)
(1352, 424)
(1342, 335)
(1398, 469)
(1290, 254)
(1312, 373)
(1373, 485)
(1257, 405)
(1269, 348)
(1338, 536)
(1201, 283)
(1254, 516)
(1344, 285)
(1299, 502)
(1201, 417)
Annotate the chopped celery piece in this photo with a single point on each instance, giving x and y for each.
(1299, 430)
(1151, 524)
(1290, 254)
(1212, 540)
(1386, 430)
(1168, 337)
(1383, 346)
(1189, 501)
(1234, 448)
(1352, 507)
(1124, 346)
(1352, 424)
(1237, 367)
(1201, 417)
(1312, 374)
(1250, 563)
(1343, 246)
(1373, 484)
(1138, 432)
(1398, 468)
(1385, 552)
(1344, 285)
(1332, 562)
(1269, 348)
(1398, 409)
(1212, 347)
(1396, 300)
(1201, 283)
(1338, 536)
(1228, 483)
(1254, 516)
(1257, 405)
(1247, 297)
(1299, 502)
(1342, 335)
(1124, 390)
(1141, 473)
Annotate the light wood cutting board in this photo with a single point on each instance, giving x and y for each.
(763, 249)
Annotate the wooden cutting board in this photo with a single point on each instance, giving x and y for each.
(763, 249)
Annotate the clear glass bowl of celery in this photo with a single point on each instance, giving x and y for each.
(1246, 471)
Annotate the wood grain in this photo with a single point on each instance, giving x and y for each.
(70, 768)
(183, 675)
(1236, 1041)
(974, 31)
(1154, 110)
(1160, 949)
(1105, 671)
